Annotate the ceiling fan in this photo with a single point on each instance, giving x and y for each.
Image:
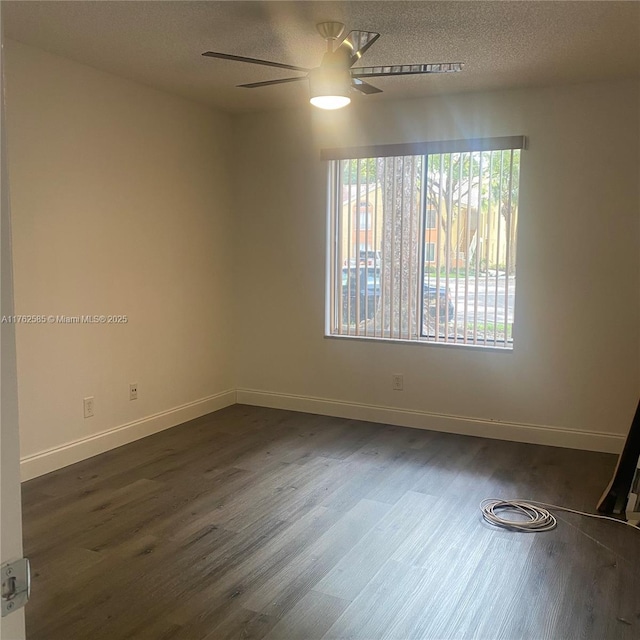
(331, 82)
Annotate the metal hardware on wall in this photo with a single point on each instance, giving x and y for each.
(16, 585)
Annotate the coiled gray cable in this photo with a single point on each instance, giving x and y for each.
(537, 517)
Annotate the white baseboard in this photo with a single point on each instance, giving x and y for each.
(71, 452)
(516, 432)
(43, 462)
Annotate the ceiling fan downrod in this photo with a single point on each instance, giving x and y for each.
(330, 31)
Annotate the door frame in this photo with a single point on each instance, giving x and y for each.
(12, 627)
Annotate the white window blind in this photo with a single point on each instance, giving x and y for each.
(434, 258)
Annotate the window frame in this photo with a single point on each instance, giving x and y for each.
(429, 219)
(333, 245)
(429, 256)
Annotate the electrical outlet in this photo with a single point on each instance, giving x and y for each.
(133, 391)
(88, 407)
(397, 382)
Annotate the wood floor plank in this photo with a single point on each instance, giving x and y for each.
(290, 584)
(377, 606)
(310, 618)
(249, 561)
(475, 604)
(447, 577)
(72, 521)
(264, 523)
(347, 579)
(241, 624)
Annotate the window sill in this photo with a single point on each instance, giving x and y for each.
(425, 342)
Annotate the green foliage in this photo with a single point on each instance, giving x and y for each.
(504, 180)
(366, 167)
(450, 179)
(492, 331)
(453, 272)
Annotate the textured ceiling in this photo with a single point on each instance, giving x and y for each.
(503, 44)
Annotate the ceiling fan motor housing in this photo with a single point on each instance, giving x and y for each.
(330, 30)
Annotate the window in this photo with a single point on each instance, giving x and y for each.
(440, 222)
(429, 251)
(365, 220)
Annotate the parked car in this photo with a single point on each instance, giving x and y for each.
(361, 289)
(369, 258)
(431, 304)
(363, 283)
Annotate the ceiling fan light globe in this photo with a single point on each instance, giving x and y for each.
(329, 87)
(330, 102)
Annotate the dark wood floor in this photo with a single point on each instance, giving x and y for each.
(259, 523)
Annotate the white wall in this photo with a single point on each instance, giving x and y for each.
(121, 205)
(574, 376)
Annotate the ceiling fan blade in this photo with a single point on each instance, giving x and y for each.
(356, 44)
(266, 63)
(364, 87)
(266, 83)
(406, 69)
